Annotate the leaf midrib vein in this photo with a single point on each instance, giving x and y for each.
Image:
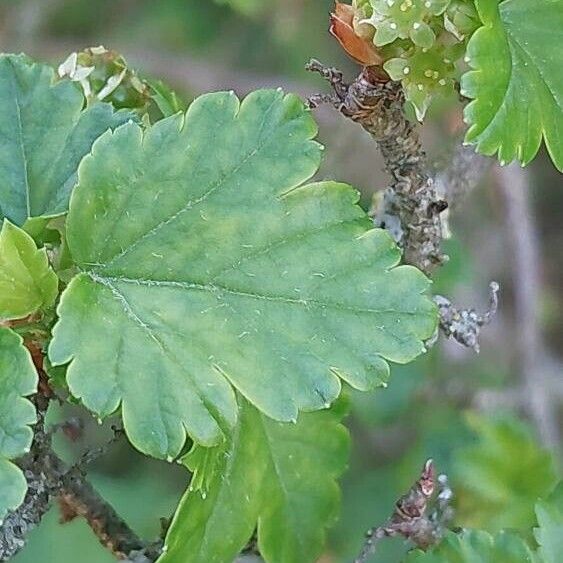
(214, 289)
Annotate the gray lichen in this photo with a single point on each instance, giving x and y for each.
(464, 325)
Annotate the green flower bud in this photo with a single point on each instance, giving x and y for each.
(423, 74)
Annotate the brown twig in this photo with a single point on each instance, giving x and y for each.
(49, 478)
(410, 518)
(77, 498)
(464, 325)
(411, 207)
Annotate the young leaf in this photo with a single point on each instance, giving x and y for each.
(18, 379)
(105, 75)
(167, 101)
(405, 20)
(13, 487)
(423, 74)
(277, 476)
(476, 547)
(516, 84)
(205, 266)
(499, 479)
(27, 282)
(45, 133)
(549, 534)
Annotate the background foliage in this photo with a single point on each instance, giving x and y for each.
(445, 405)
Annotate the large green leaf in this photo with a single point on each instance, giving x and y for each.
(549, 534)
(517, 83)
(27, 282)
(205, 266)
(45, 133)
(277, 476)
(499, 478)
(18, 379)
(476, 547)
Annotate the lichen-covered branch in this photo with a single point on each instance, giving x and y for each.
(411, 517)
(49, 478)
(464, 325)
(42, 475)
(411, 201)
(410, 208)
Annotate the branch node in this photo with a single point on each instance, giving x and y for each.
(332, 75)
(410, 519)
(410, 206)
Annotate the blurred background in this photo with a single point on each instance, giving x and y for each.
(491, 421)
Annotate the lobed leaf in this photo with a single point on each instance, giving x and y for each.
(27, 282)
(206, 267)
(500, 477)
(277, 476)
(516, 83)
(18, 379)
(45, 133)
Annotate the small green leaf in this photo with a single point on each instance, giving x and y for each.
(549, 533)
(395, 68)
(45, 133)
(167, 101)
(499, 479)
(205, 266)
(461, 19)
(277, 476)
(424, 73)
(407, 19)
(18, 379)
(13, 487)
(471, 546)
(27, 282)
(517, 83)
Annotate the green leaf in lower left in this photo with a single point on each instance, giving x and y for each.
(18, 379)
(27, 282)
(278, 477)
